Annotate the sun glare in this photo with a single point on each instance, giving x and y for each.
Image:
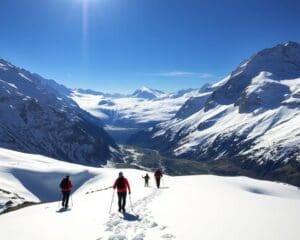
(84, 25)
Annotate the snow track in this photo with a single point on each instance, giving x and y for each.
(137, 223)
(187, 207)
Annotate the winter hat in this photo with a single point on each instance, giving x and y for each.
(120, 174)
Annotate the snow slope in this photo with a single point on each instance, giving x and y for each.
(187, 207)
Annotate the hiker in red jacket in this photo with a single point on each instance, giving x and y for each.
(158, 175)
(122, 185)
(66, 187)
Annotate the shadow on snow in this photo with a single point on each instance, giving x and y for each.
(130, 217)
(45, 185)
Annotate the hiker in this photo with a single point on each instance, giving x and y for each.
(147, 177)
(66, 187)
(122, 185)
(158, 175)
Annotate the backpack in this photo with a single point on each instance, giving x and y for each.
(158, 174)
(120, 183)
(64, 184)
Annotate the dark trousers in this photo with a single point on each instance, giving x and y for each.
(157, 182)
(65, 199)
(146, 183)
(122, 200)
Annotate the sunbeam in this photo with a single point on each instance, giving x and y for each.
(84, 26)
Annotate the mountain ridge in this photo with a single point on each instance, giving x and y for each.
(38, 117)
(251, 117)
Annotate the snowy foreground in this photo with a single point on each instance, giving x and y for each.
(188, 207)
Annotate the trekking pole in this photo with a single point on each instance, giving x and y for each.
(59, 201)
(71, 200)
(112, 199)
(130, 202)
(98, 190)
(131, 206)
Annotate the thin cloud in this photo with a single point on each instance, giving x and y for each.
(181, 74)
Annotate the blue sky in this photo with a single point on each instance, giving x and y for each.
(120, 45)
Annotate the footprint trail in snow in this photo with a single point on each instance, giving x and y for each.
(137, 225)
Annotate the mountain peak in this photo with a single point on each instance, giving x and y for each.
(145, 89)
(291, 44)
(282, 61)
(147, 93)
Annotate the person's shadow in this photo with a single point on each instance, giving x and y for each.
(164, 187)
(130, 217)
(61, 210)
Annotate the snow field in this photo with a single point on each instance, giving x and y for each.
(138, 109)
(188, 207)
(212, 207)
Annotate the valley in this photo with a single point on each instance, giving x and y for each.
(245, 124)
(149, 159)
(149, 120)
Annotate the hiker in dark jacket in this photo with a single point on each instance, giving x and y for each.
(158, 175)
(122, 185)
(66, 187)
(146, 177)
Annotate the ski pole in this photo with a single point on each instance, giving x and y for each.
(112, 199)
(59, 201)
(71, 200)
(97, 190)
(132, 206)
(130, 202)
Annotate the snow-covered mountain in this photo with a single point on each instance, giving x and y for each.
(148, 93)
(140, 110)
(187, 207)
(36, 116)
(195, 103)
(253, 115)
